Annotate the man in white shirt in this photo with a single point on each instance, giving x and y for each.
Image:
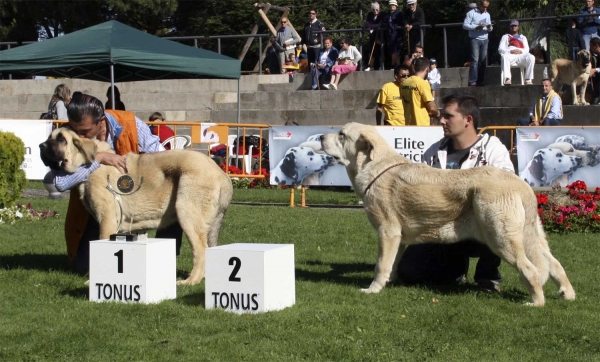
(514, 51)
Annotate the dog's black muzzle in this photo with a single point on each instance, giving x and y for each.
(49, 155)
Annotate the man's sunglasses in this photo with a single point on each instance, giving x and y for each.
(403, 75)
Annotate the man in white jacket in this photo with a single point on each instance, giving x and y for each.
(460, 148)
(514, 51)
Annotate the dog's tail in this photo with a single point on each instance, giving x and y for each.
(224, 199)
(553, 73)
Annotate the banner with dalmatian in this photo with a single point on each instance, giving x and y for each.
(551, 156)
(297, 158)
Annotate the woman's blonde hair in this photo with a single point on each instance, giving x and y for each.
(61, 93)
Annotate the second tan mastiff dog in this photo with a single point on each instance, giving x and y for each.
(409, 203)
(177, 185)
(574, 73)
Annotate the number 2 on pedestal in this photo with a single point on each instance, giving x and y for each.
(119, 255)
(238, 264)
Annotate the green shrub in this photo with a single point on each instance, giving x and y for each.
(12, 177)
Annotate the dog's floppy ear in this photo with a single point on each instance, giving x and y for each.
(288, 166)
(537, 168)
(369, 139)
(87, 148)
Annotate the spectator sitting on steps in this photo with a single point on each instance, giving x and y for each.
(546, 110)
(514, 51)
(346, 63)
(322, 68)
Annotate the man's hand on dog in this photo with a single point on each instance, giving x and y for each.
(111, 159)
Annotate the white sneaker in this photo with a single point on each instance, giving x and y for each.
(367, 69)
(333, 86)
(326, 86)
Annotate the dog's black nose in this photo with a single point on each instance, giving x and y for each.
(321, 138)
(43, 146)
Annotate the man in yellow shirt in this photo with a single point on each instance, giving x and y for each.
(417, 100)
(389, 100)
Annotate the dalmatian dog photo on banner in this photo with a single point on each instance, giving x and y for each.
(297, 157)
(551, 156)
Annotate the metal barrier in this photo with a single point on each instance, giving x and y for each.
(495, 129)
(194, 131)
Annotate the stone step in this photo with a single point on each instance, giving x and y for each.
(451, 78)
(490, 116)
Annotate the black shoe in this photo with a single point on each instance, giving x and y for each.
(488, 286)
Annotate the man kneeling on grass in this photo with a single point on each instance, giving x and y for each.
(461, 148)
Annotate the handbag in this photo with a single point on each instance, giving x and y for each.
(51, 114)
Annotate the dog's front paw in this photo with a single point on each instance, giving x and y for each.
(188, 281)
(374, 288)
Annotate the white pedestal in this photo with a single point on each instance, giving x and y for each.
(133, 271)
(250, 278)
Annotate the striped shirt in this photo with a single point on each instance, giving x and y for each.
(147, 143)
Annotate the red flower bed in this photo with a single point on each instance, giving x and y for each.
(581, 215)
(249, 183)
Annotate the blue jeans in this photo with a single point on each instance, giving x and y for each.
(323, 74)
(587, 38)
(479, 50)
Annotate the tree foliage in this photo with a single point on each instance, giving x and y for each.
(23, 20)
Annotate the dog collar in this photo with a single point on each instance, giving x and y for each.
(384, 171)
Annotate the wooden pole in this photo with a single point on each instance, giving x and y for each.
(254, 31)
(267, 22)
(292, 201)
(303, 198)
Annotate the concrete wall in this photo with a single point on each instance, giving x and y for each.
(281, 99)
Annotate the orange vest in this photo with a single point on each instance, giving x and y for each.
(77, 215)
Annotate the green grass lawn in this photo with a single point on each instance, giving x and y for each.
(45, 313)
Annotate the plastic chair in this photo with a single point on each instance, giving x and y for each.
(522, 69)
(178, 142)
(247, 158)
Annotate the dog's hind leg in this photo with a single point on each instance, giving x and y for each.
(556, 271)
(196, 231)
(389, 243)
(506, 238)
(515, 255)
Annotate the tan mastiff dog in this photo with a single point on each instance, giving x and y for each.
(410, 203)
(574, 73)
(177, 185)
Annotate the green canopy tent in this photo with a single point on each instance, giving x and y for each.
(119, 53)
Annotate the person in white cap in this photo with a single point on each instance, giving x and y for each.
(414, 17)
(395, 22)
(514, 51)
(479, 24)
